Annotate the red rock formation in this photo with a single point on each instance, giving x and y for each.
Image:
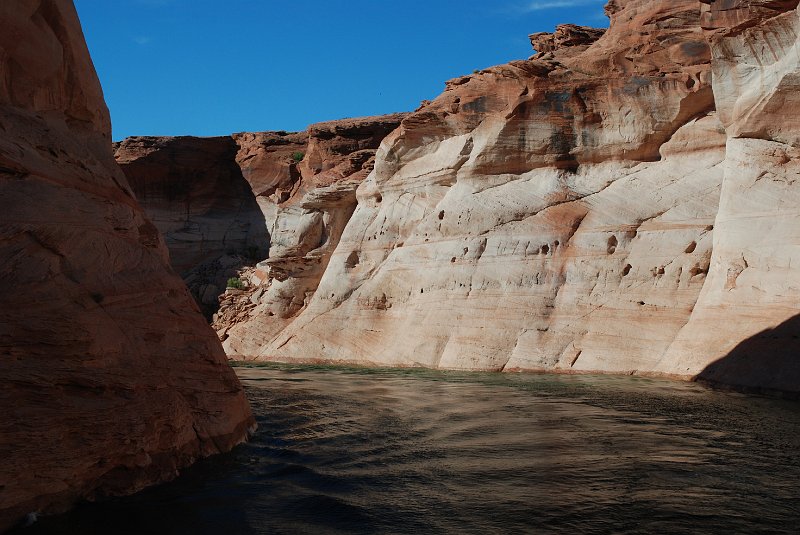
(193, 191)
(497, 231)
(204, 195)
(601, 207)
(305, 222)
(606, 206)
(566, 35)
(111, 379)
(744, 327)
(195, 194)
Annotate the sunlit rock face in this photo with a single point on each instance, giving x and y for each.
(554, 213)
(745, 318)
(307, 193)
(600, 207)
(112, 381)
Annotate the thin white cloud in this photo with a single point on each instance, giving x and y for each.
(541, 5)
(154, 3)
(142, 40)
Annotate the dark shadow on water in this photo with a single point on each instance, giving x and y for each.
(768, 363)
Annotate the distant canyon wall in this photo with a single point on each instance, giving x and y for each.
(228, 202)
(111, 379)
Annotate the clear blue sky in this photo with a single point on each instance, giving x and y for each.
(213, 67)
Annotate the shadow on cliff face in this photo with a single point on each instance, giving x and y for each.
(768, 362)
(196, 195)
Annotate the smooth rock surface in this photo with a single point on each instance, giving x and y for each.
(744, 329)
(111, 379)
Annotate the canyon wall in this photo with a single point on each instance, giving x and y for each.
(112, 381)
(623, 201)
(195, 194)
(225, 203)
(745, 321)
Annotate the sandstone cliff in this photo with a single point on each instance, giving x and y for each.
(195, 194)
(623, 201)
(226, 203)
(111, 379)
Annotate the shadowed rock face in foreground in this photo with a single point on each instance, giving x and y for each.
(112, 381)
(601, 207)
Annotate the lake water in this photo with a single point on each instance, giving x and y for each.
(411, 451)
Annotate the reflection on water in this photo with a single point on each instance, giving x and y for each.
(409, 451)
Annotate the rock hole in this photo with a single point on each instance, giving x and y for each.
(556, 243)
(626, 270)
(352, 260)
(421, 291)
(691, 247)
(545, 248)
(441, 215)
(710, 227)
(641, 303)
(660, 270)
(452, 260)
(378, 198)
(612, 245)
(696, 270)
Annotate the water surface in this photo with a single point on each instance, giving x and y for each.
(411, 451)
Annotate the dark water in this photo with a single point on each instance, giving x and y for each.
(356, 451)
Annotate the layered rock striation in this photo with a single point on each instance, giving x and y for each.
(112, 381)
(621, 202)
(745, 322)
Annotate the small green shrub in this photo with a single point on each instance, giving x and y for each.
(297, 157)
(235, 282)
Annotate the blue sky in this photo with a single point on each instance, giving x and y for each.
(213, 67)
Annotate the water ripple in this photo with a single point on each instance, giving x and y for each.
(410, 451)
